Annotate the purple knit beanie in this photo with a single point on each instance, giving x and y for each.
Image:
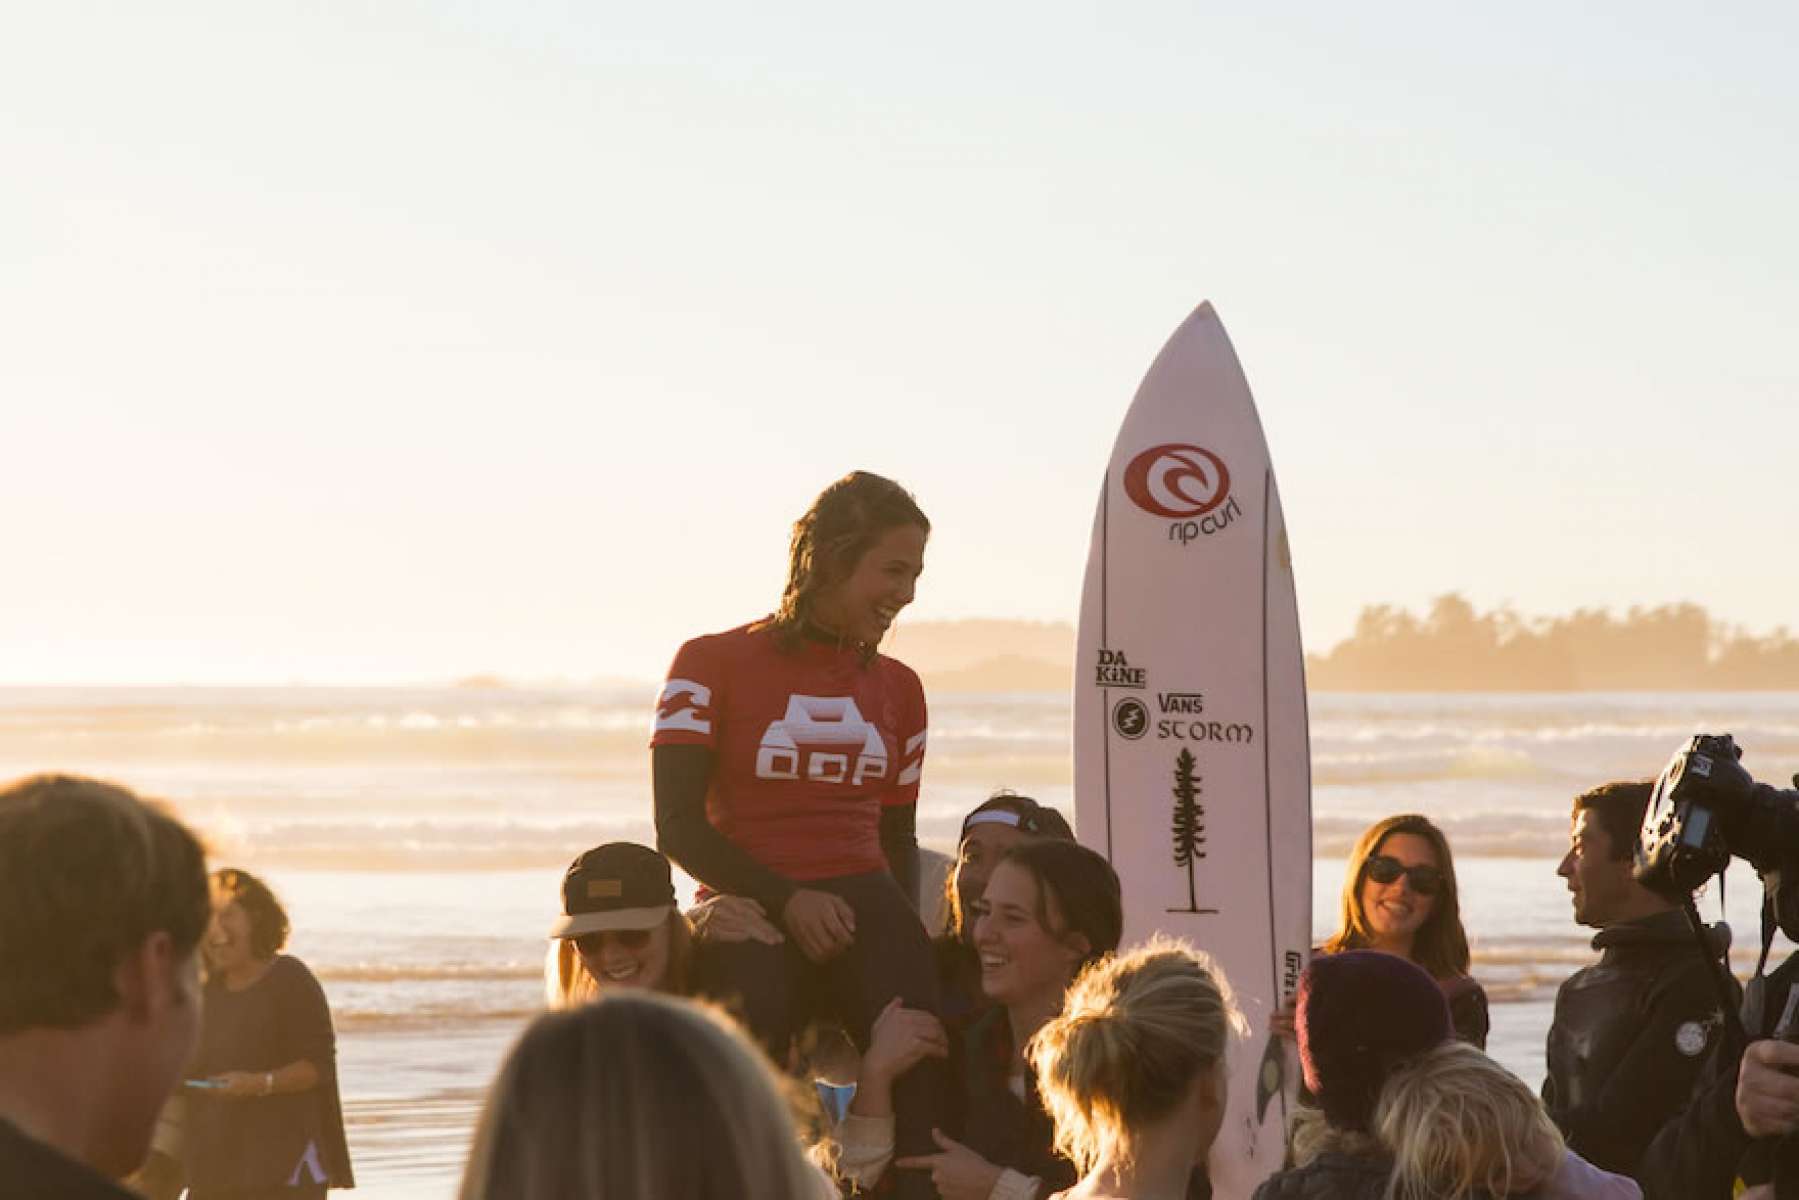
(1361, 1014)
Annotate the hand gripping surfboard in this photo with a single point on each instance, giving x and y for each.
(1192, 763)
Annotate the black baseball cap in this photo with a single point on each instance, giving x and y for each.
(1021, 813)
(620, 885)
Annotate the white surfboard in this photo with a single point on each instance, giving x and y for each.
(1192, 764)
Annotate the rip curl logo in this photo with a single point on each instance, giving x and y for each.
(1177, 481)
(684, 707)
(824, 739)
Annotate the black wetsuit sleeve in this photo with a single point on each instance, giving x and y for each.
(899, 842)
(681, 775)
(1468, 1016)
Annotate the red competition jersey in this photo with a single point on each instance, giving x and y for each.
(810, 745)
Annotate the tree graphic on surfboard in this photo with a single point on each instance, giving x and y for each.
(1189, 826)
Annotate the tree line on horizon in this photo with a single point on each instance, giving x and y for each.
(1453, 647)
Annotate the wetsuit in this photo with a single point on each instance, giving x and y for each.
(1467, 1002)
(786, 766)
(1629, 1037)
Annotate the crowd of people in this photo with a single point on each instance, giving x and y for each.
(803, 1031)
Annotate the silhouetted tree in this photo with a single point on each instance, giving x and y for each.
(1671, 646)
(1189, 826)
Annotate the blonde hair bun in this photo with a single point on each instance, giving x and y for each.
(1136, 1030)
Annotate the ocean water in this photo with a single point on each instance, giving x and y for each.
(418, 836)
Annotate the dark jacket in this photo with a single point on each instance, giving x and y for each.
(1330, 1176)
(992, 1121)
(1630, 1035)
(1700, 1153)
(989, 1118)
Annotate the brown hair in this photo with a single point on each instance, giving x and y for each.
(567, 981)
(1085, 889)
(1619, 808)
(1042, 821)
(268, 920)
(843, 523)
(1134, 1034)
(87, 872)
(637, 1095)
(1441, 946)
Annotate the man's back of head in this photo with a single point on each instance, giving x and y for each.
(103, 901)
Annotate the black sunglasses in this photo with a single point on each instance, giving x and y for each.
(631, 939)
(1426, 881)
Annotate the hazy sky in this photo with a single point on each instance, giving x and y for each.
(361, 341)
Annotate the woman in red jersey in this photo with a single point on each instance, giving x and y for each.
(786, 759)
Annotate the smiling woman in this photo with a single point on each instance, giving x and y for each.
(263, 1114)
(786, 760)
(1400, 897)
(1050, 909)
(619, 928)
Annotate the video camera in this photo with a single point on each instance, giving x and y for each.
(1705, 809)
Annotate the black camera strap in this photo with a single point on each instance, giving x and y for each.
(1721, 981)
(1770, 923)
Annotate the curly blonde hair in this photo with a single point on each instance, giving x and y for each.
(1134, 1034)
(1460, 1125)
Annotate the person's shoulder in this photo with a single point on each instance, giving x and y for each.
(711, 658)
(30, 1168)
(740, 639)
(1461, 987)
(1330, 1176)
(290, 972)
(1577, 1179)
(899, 672)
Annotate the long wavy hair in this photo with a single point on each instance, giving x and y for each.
(1441, 946)
(843, 523)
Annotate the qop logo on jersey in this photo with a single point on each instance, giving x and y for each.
(825, 739)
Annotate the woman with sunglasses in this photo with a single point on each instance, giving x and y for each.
(1400, 897)
(619, 928)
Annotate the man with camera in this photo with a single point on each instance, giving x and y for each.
(1632, 1030)
(1737, 1127)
